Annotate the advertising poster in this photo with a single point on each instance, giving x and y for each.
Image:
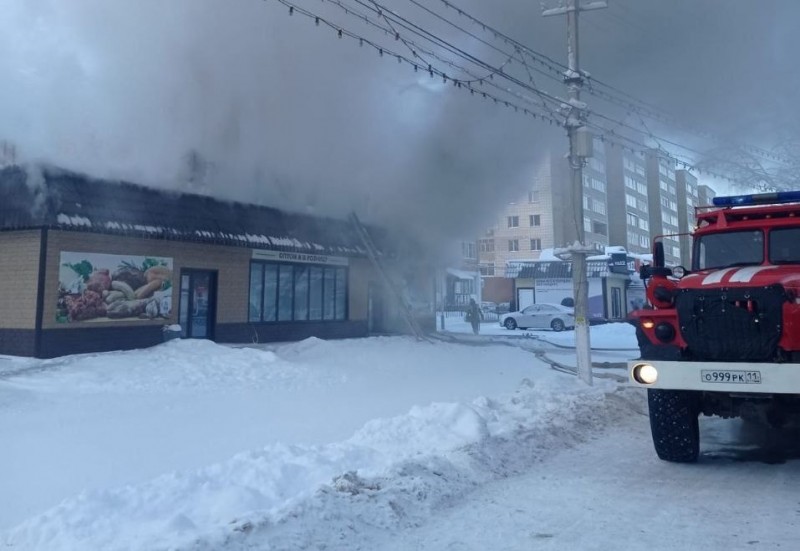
(554, 291)
(559, 291)
(94, 287)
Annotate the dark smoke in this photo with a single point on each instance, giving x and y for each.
(245, 102)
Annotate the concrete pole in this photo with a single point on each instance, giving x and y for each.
(575, 120)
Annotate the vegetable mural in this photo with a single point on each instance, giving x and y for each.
(104, 287)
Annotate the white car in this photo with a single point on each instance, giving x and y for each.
(540, 316)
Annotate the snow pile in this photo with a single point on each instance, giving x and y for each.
(387, 474)
(268, 486)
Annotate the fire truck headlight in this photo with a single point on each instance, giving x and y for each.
(645, 374)
(665, 332)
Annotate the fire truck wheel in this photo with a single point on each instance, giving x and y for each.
(674, 424)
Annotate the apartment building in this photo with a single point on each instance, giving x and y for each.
(543, 217)
(662, 194)
(628, 199)
(705, 195)
(628, 207)
(686, 184)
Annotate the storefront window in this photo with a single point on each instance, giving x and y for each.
(315, 295)
(256, 291)
(328, 294)
(285, 285)
(270, 292)
(301, 293)
(296, 292)
(341, 293)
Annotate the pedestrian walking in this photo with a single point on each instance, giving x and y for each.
(474, 316)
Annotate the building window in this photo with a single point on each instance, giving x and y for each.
(533, 196)
(644, 224)
(599, 228)
(468, 250)
(633, 220)
(487, 269)
(487, 245)
(644, 241)
(641, 188)
(630, 200)
(630, 182)
(587, 202)
(513, 221)
(536, 219)
(536, 244)
(296, 292)
(599, 185)
(587, 224)
(513, 244)
(599, 207)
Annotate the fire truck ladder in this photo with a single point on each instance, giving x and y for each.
(372, 252)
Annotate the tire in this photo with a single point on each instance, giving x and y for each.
(510, 324)
(557, 325)
(674, 424)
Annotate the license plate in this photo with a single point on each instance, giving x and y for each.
(730, 376)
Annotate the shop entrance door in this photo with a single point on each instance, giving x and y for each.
(198, 306)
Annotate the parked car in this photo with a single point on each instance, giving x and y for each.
(540, 316)
(488, 307)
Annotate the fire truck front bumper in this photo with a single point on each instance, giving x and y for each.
(742, 377)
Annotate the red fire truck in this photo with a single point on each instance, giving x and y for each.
(723, 337)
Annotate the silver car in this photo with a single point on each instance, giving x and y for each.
(540, 316)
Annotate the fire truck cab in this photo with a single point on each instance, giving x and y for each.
(723, 337)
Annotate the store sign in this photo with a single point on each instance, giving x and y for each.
(618, 264)
(94, 287)
(303, 258)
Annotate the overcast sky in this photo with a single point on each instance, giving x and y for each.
(289, 115)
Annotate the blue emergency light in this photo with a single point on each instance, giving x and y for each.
(757, 199)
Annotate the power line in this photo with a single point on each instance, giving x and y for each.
(616, 95)
(418, 67)
(606, 134)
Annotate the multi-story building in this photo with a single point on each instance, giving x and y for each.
(628, 199)
(705, 195)
(628, 208)
(686, 184)
(543, 216)
(662, 195)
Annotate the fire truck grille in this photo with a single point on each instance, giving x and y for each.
(741, 324)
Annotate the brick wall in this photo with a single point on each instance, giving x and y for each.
(19, 277)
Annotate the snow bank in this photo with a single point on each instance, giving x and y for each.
(264, 487)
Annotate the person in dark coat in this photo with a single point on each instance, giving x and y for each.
(474, 316)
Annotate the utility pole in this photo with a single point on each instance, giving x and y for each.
(580, 147)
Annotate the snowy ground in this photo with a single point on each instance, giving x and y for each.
(380, 443)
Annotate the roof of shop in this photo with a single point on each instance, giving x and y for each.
(47, 197)
(558, 269)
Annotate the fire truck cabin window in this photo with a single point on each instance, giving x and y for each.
(723, 250)
(784, 246)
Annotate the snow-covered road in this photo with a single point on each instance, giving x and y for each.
(612, 493)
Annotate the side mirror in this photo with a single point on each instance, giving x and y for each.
(658, 254)
(646, 272)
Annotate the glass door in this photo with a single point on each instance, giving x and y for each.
(198, 303)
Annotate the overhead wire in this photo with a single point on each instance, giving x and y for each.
(393, 19)
(616, 95)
